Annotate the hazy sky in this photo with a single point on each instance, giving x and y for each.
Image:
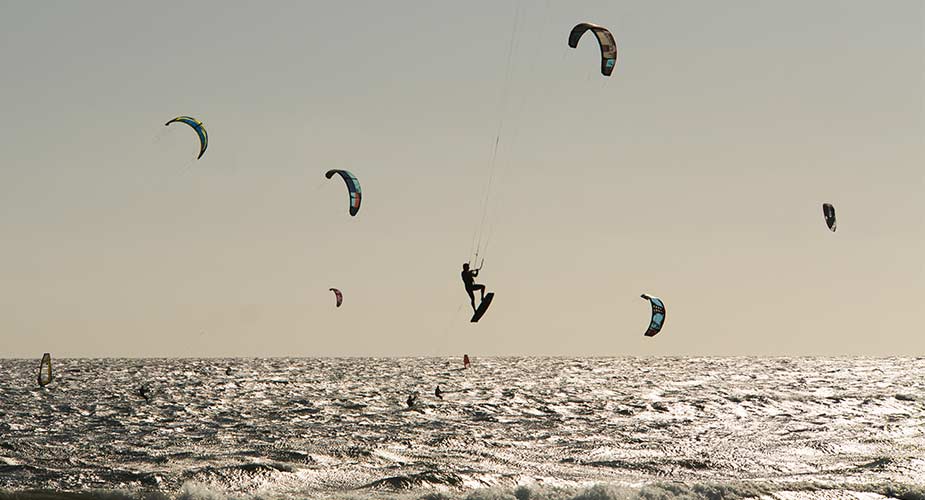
(696, 173)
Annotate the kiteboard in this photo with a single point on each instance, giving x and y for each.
(483, 306)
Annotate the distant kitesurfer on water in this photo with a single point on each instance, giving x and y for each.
(468, 277)
(438, 392)
(143, 392)
(413, 398)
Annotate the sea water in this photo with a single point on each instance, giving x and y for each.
(517, 428)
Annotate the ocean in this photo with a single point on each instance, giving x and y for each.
(507, 428)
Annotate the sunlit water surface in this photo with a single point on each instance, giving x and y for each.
(786, 428)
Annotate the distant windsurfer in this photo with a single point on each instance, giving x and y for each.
(468, 277)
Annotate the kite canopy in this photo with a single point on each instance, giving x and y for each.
(829, 212)
(339, 296)
(198, 127)
(658, 315)
(604, 39)
(44, 374)
(353, 186)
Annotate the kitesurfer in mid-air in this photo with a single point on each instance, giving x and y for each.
(468, 277)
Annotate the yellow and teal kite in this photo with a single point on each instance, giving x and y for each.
(198, 127)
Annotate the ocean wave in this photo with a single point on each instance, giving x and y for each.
(416, 481)
(739, 490)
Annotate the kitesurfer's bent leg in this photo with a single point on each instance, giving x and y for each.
(481, 289)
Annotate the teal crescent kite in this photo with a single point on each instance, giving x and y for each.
(198, 127)
(658, 315)
(353, 186)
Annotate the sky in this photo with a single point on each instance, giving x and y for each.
(695, 173)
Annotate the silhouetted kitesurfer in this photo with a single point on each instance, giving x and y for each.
(468, 277)
(143, 392)
(438, 392)
(413, 398)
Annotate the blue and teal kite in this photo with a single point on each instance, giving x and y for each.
(658, 315)
(353, 186)
(198, 127)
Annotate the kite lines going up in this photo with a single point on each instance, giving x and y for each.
(479, 236)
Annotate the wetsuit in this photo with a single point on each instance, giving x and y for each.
(468, 278)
